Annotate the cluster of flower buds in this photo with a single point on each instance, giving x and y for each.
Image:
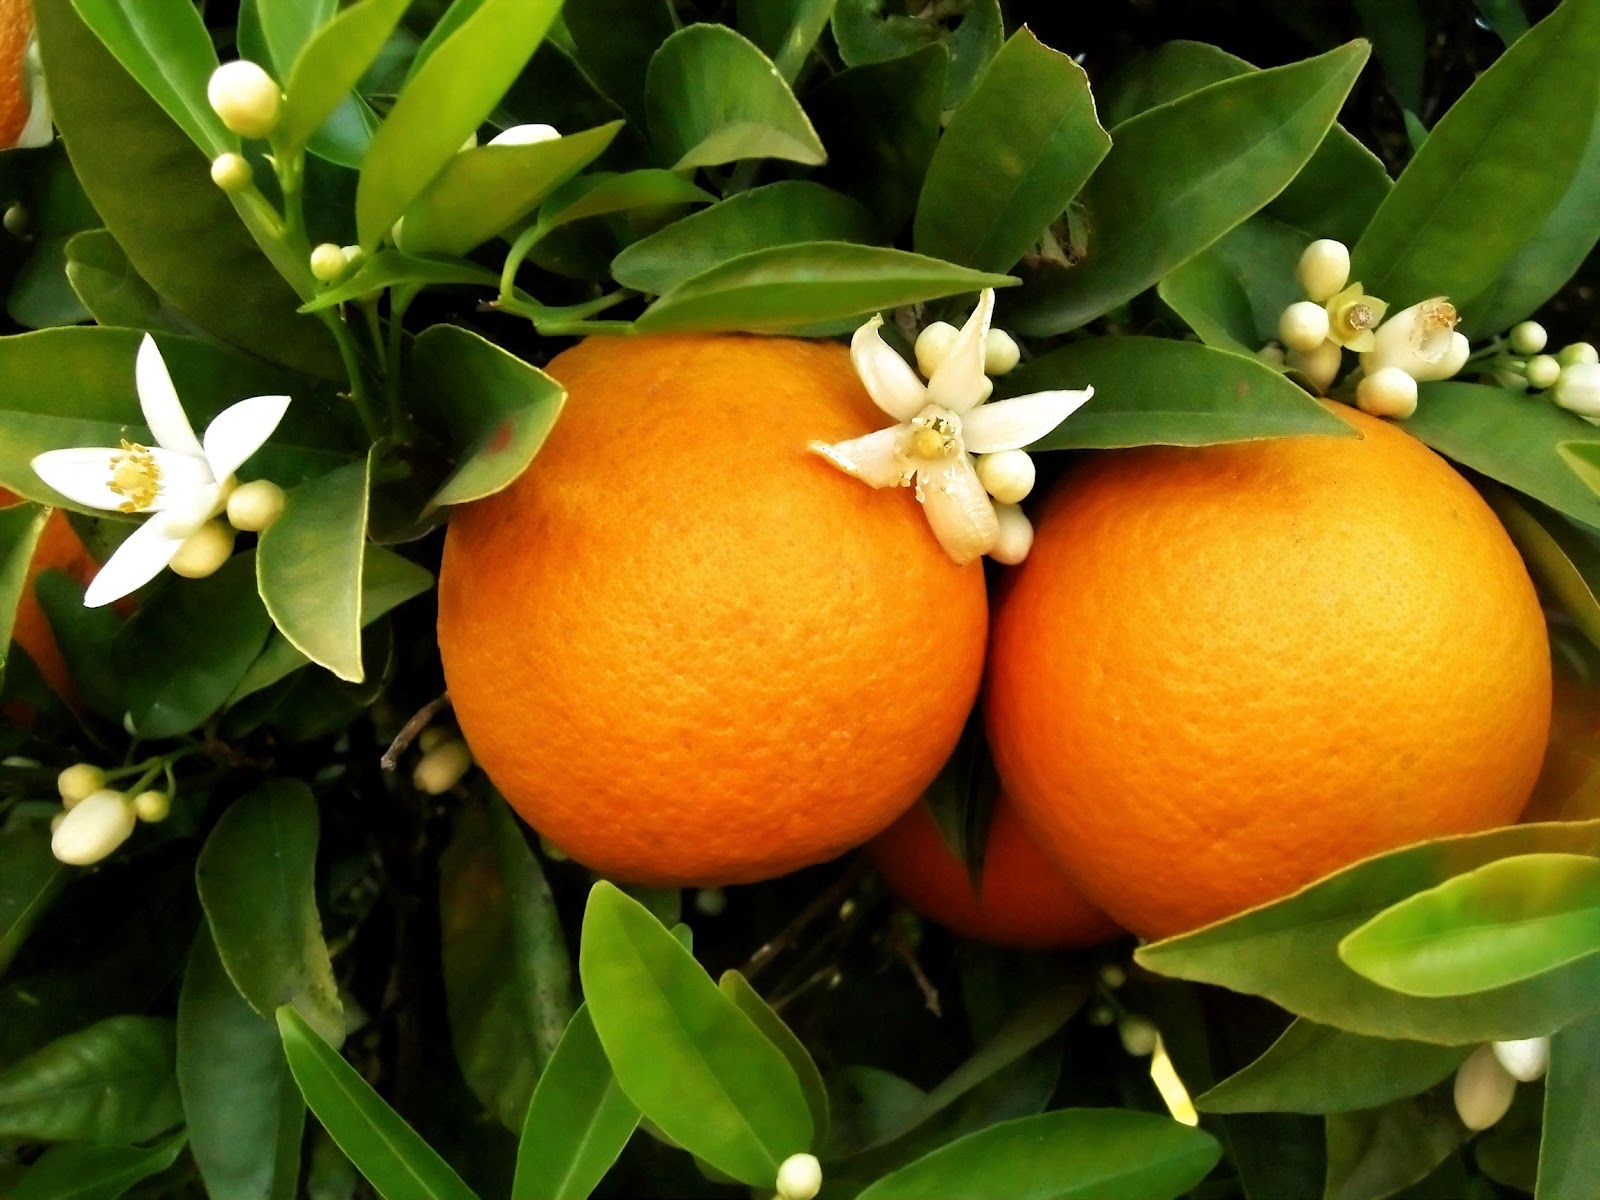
(1570, 376)
(329, 262)
(1487, 1080)
(96, 819)
(250, 508)
(445, 761)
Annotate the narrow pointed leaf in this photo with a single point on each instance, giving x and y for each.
(75, 1171)
(21, 526)
(737, 988)
(30, 879)
(328, 66)
(1569, 1148)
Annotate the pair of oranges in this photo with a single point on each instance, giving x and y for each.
(689, 652)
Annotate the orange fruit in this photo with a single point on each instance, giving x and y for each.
(687, 650)
(1023, 900)
(58, 550)
(16, 27)
(1225, 672)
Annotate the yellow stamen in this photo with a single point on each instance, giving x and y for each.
(933, 437)
(135, 476)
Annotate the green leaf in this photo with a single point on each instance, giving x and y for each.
(749, 1001)
(615, 39)
(1473, 182)
(164, 45)
(78, 1172)
(1569, 1150)
(684, 1053)
(288, 25)
(257, 880)
(867, 32)
(85, 637)
(453, 93)
(21, 526)
(30, 879)
(395, 1160)
(1399, 37)
(1181, 175)
(787, 288)
(1505, 17)
(779, 214)
(1209, 299)
(1225, 398)
(1376, 1153)
(1011, 159)
(309, 564)
(1317, 1069)
(111, 1082)
(578, 1121)
(486, 190)
(181, 658)
(601, 194)
(1071, 1154)
(390, 268)
(1288, 951)
(712, 98)
(1514, 439)
(785, 30)
(1504, 922)
(328, 66)
(109, 287)
(1561, 558)
(41, 296)
(245, 1116)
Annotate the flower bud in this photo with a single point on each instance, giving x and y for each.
(1113, 976)
(1139, 1035)
(1271, 354)
(245, 97)
(231, 172)
(327, 262)
(525, 135)
(95, 827)
(1007, 475)
(934, 344)
(710, 902)
(1527, 337)
(1542, 371)
(1324, 269)
(1015, 539)
(78, 781)
(800, 1177)
(352, 255)
(15, 219)
(1319, 366)
(152, 806)
(1303, 326)
(1525, 1059)
(204, 551)
(1421, 341)
(434, 736)
(255, 505)
(1483, 1089)
(1353, 316)
(1387, 392)
(1578, 389)
(1000, 352)
(1578, 353)
(1101, 1016)
(1512, 381)
(442, 767)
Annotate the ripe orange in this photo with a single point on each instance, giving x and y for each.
(1023, 900)
(60, 550)
(16, 27)
(687, 650)
(1225, 672)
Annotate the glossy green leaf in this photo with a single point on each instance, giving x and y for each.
(1504, 922)
(1512, 438)
(21, 526)
(328, 65)
(1569, 1150)
(30, 878)
(486, 190)
(1071, 1154)
(1399, 38)
(110, 288)
(1210, 300)
(601, 194)
(453, 93)
(390, 268)
(867, 32)
(786, 288)
(711, 98)
(1473, 183)
(79, 1172)
(1011, 159)
(1379, 1152)
(749, 1001)
(244, 1115)
(41, 295)
(395, 1160)
(1288, 951)
(1318, 1069)
(181, 658)
(1233, 292)
(1226, 397)
(85, 637)
(1505, 17)
(615, 39)
(785, 30)
(257, 881)
(684, 1053)
(1560, 557)
(779, 214)
(111, 1082)
(288, 25)
(578, 1121)
(1181, 175)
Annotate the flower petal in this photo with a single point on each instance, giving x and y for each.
(83, 475)
(185, 513)
(959, 510)
(1020, 421)
(960, 384)
(163, 412)
(241, 429)
(136, 562)
(876, 458)
(888, 378)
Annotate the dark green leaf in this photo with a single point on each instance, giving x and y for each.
(390, 268)
(30, 878)
(85, 637)
(1569, 1151)
(111, 1082)
(287, 25)
(41, 296)
(1376, 1153)
(600, 194)
(1399, 36)
(110, 288)
(785, 30)
(78, 1172)
(328, 66)
(866, 33)
(615, 39)
(257, 881)
(21, 526)
(1505, 17)
(1211, 301)
(1560, 558)
(737, 988)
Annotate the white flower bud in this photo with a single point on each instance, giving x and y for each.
(1000, 352)
(934, 344)
(78, 781)
(1324, 269)
(15, 219)
(327, 262)
(204, 551)
(433, 737)
(525, 135)
(1139, 1035)
(231, 172)
(800, 1177)
(152, 806)
(1319, 366)
(1512, 381)
(1527, 337)
(1303, 326)
(245, 97)
(442, 767)
(1421, 341)
(95, 827)
(352, 254)
(1387, 392)
(1007, 475)
(1483, 1089)
(710, 902)
(1015, 539)
(1577, 354)
(1578, 389)
(1542, 371)
(1271, 354)
(255, 505)
(1525, 1059)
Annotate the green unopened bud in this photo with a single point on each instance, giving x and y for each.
(1542, 371)
(710, 902)
(1525, 1059)
(204, 551)
(327, 262)
(1527, 337)
(1578, 354)
(1113, 976)
(152, 806)
(245, 97)
(78, 781)
(1139, 1035)
(16, 219)
(1102, 1015)
(231, 172)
